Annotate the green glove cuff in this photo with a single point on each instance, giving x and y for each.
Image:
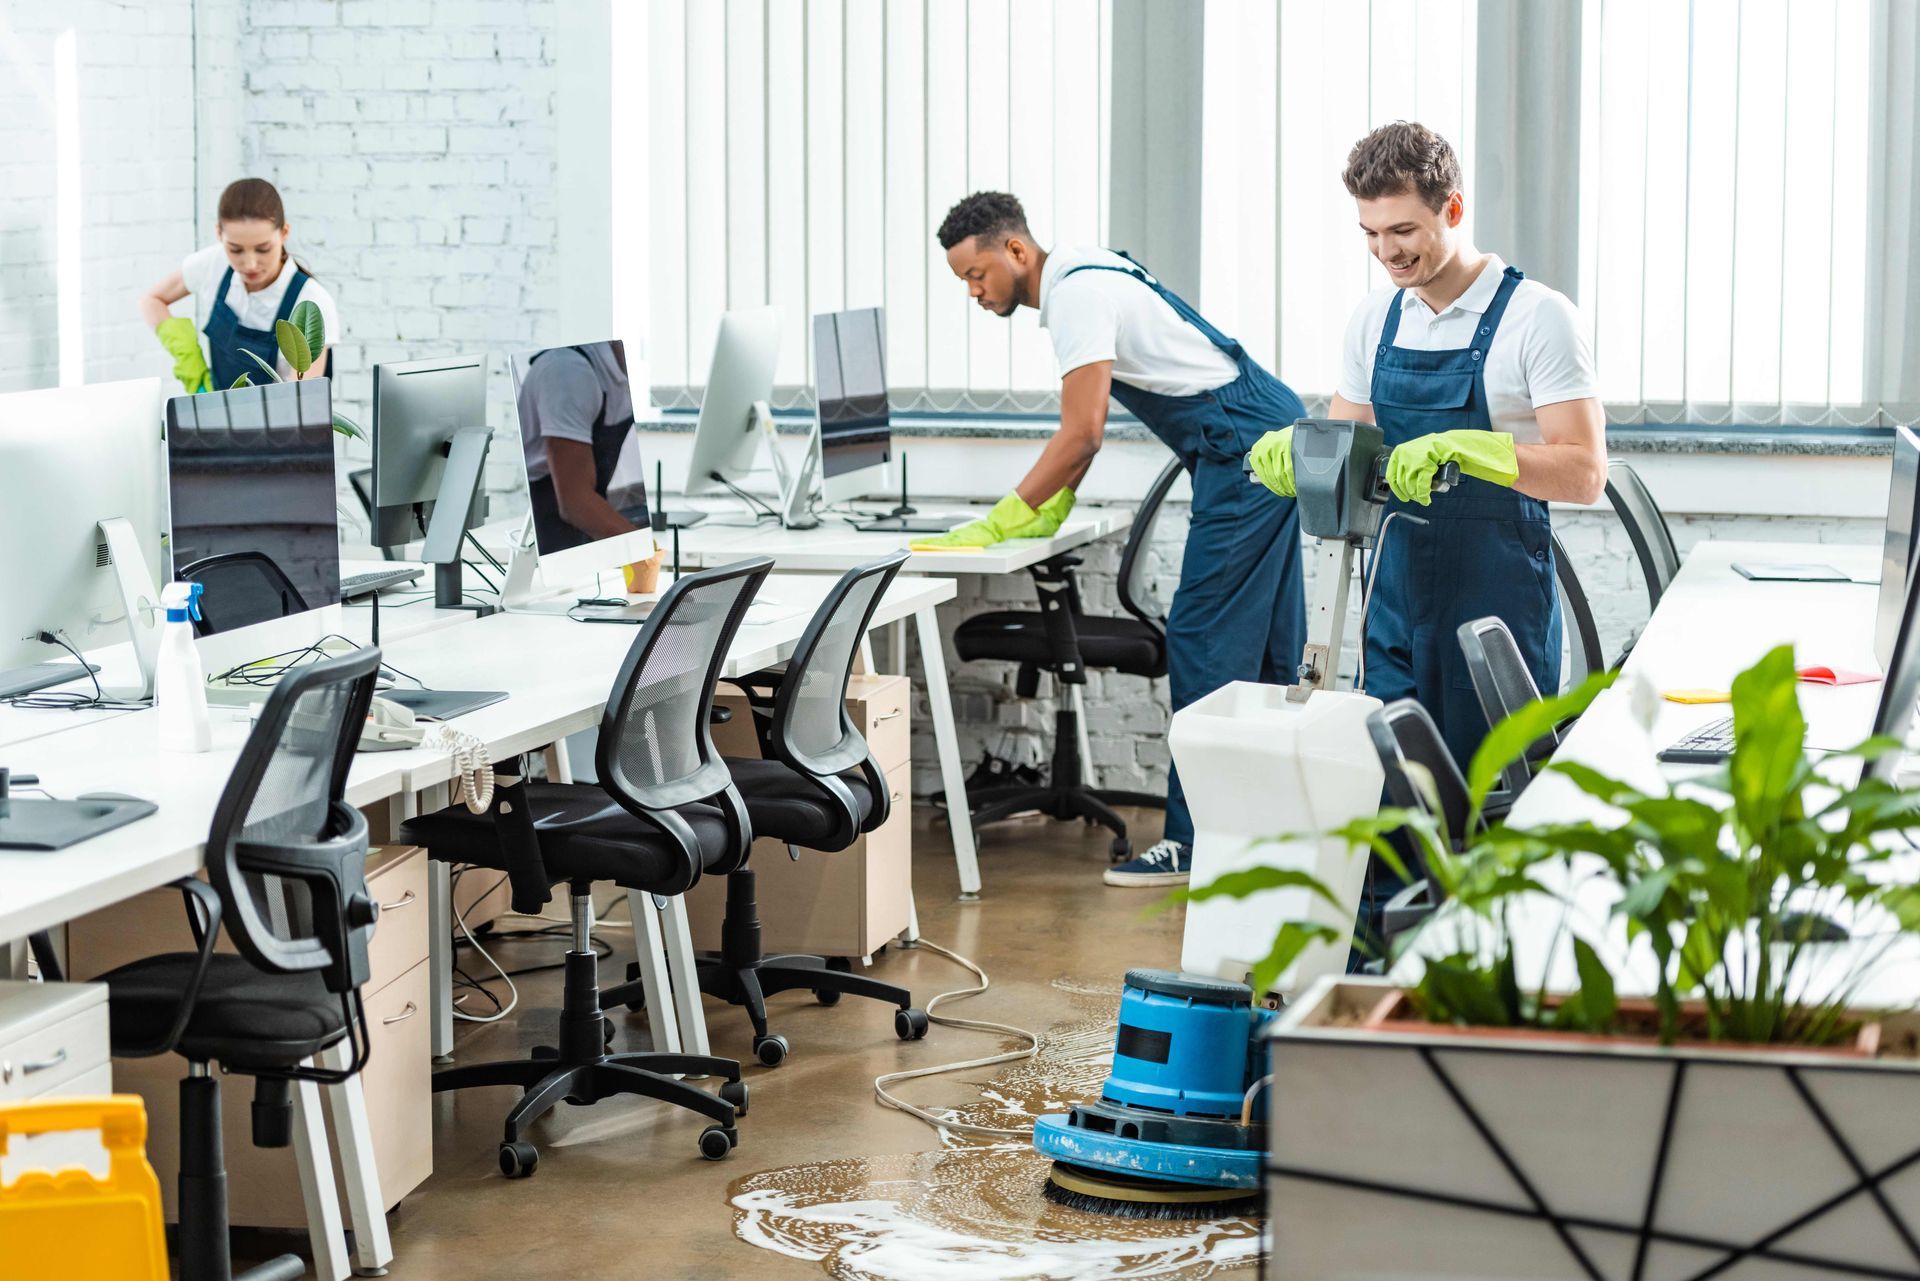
(1009, 514)
(1486, 455)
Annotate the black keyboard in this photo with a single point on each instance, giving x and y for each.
(1708, 745)
(379, 580)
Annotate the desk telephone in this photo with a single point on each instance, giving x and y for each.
(392, 727)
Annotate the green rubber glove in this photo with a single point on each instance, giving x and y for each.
(997, 526)
(176, 334)
(1484, 455)
(1272, 459)
(1047, 517)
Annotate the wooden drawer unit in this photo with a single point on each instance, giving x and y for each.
(881, 707)
(53, 1039)
(263, 1184)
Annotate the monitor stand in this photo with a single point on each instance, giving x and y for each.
(139, 605)
(796, 490)
(452, 511)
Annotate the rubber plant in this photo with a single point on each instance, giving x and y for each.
(1733, 881)
(301, 337)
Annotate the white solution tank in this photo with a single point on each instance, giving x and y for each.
(1255, 766)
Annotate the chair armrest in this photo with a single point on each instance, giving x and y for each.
(333, 870)
(195, 893)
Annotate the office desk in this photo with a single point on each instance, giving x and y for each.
(557, 674)
(835, 547)
(1710, 625)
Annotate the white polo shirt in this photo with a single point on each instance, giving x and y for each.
(1102, 315)
(1541, 354)
(203, 269)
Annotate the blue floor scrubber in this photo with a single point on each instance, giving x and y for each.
(1178, 1129)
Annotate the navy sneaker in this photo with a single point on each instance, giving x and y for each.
(1167, 863)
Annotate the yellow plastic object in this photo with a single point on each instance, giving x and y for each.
(1698, 696)
(71, 1225)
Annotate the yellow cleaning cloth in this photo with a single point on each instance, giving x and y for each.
(1697, 696)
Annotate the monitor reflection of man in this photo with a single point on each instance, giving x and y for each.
(576, 415)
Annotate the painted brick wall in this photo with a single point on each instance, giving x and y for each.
(1127, 716)
(414, 142)
(136, 153)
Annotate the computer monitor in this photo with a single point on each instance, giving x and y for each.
(429, 451)
(82, 522)
(850, 398)
(734, 413)
(1900, 688)
(579, 394)
(1896, 556)
(252, 510)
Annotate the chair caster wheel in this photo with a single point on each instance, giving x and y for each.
(910, 1024)
(826, 996)
(735, 1092)
(771, 1050)
(716, 1142)
(518, 1159)
(1119, 849)
(840, 964)
(638, 1003)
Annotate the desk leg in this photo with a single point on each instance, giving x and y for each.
(314, 1159)
(1087, 775)
(650, 946)
(440, 959)
(947, 739)
(366, 1205)
(559, 765)
(684, 974)
(897, 645)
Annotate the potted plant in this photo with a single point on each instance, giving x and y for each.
(1750, 1114)
(301, 337)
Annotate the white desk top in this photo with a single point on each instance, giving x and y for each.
(1710, 625)
(557, 674)
(836, 546)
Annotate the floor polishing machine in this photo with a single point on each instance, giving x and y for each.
(1180, 1124)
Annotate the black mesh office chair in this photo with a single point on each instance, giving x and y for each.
(242, 588)
(815, 785)
(287, 861)
(1648, 532)
(663, 813)
(1504, 686)
(1576, 615)
(1646, 528)
(1422, 776)
(1061, 638)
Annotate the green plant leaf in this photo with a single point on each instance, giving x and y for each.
(347, 427)
(1598, 1003)
(241, 381)
(273, 375)
(1292, 940)
(1769, 737)
(1645, 894)
(312, 326)
(293, 345)
(1254, 880)
(1510, 739)
(1464, 994)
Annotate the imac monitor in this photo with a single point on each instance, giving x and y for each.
(429, 450)
(733, 411)
(578, 399)
(850, 395)
(1896, 558)
(82, 514)
(1901, 687)
(251, 496)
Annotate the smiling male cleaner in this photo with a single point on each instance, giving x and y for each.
(1238, 614)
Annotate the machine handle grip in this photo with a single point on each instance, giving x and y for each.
(1446, 478)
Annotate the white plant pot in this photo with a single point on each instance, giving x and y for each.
(1504, 1157)
(1256, 765)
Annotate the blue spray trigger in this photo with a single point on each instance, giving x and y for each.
(194, 591)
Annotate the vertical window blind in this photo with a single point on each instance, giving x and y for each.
(801, 153)
(1726, 191)
(1289, 88)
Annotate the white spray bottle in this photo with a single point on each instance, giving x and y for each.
(180, 683)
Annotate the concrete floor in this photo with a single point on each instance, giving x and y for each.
(621, 1190)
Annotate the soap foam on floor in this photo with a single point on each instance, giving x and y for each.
(973, 1209)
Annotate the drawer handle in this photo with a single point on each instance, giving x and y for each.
(887, 716)
(403, 1015)
(405, 899)
(41, 1065)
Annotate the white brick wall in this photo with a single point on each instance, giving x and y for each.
(137, 165)
(414, 143)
